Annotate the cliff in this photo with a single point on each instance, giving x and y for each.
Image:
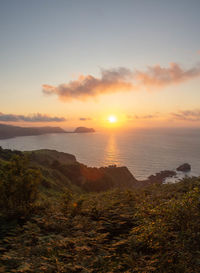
(61, 171)
(62, 165)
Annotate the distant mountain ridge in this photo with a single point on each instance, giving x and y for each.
(9, 131)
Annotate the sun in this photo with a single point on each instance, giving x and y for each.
(112, 119)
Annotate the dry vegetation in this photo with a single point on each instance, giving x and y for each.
(154, 229)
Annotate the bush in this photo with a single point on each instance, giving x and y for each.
(18, 186)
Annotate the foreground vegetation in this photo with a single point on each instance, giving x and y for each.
(151, 229)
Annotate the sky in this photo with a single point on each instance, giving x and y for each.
(72, 63)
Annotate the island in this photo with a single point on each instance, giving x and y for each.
(84, 130)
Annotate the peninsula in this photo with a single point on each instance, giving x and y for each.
(10, 131)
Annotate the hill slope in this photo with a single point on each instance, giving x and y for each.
(55, 221)
(61, 171)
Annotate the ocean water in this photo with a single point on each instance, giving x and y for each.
(144, 152)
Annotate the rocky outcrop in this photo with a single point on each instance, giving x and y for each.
(161, 176)
(121, 176)
(184, 168)
(84, 130)
(157, 178)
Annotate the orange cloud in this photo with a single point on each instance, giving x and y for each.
(88, 86)
(143, 117)
(85, 119)
(187, 115)
(158, 76)
(120, 80)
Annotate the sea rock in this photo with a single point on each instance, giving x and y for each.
(161, 176)
(157, 178)
(184, 168)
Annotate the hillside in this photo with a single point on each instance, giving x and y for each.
(9, 131)
(63, 168)
(58, 215)
(61, 171)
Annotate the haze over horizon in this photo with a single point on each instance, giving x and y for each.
(101, 64)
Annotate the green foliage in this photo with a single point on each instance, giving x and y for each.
(156, 229)
(169, 232)
(18, 186)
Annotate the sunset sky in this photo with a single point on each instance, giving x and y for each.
(75, 63)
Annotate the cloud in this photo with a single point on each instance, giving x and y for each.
(146, 116)
(30, 118)
(187, 115)
(85, 119)
(158, 76)
(121, 80)
(150, 116)
(111, 81)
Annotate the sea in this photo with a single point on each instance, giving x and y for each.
(143, 151)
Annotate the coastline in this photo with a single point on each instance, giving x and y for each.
(11, 131)
(116, 176)
(144, 154)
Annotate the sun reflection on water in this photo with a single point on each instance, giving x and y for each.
(111, 155)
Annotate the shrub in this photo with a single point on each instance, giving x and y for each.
(18, 186)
